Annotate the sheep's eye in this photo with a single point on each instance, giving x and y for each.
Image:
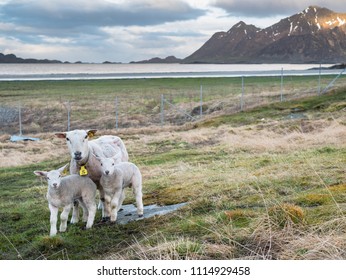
(86, 136)
(67, 139)
(113, 164)
(101, 164)
(48, 178)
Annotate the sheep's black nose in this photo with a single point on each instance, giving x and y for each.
(55, 185)
(107, 172)
(78, 155)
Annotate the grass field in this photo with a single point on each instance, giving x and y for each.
(268, 183)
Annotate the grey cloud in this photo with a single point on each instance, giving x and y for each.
(269, 8)
(76, 14)
(79, 25)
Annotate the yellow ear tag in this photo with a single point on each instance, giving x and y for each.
(83, 171)
(91, 134)
(65, 172)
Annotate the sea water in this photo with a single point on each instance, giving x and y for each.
(64, 71)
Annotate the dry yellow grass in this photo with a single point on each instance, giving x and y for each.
(29, 152)
(264, 137)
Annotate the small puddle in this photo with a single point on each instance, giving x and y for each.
(129, 212)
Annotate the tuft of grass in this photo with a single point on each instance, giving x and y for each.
(286, 214)
(239, 217)
(50, 243)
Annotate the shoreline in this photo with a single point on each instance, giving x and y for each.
(126, 76)
(37, 72)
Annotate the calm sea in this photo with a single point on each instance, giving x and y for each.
(130, 71)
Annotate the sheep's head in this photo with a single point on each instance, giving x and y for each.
(53, 177)
(107, 165)
(77, 142)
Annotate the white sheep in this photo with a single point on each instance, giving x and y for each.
(115, 177)
(82, 151)
(63, 191)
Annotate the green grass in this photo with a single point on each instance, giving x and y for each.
(179, 87)
(243, 201)
(330, 103)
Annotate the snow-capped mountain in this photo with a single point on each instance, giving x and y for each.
(315, 35)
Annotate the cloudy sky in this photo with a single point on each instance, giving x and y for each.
(127, 30)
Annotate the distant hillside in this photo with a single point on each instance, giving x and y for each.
(11, 58)
(168, 59)
(315, 35)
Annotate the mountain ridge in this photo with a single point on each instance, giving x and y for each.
(313, 35)
(11, 58)
(168, 59)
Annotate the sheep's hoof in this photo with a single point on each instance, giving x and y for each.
(84, 228)
(140, 215)
(105, 219)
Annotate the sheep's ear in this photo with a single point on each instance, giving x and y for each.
(91, 132)
(41, 173)
(117, 157)
(61, 135)
(63, 170)
(97, 157)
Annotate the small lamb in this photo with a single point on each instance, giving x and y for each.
(115, 177)
(63, 191)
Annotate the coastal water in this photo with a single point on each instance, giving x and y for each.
(9, 72)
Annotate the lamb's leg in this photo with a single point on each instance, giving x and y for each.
(53, 219)
(137, 191)
(92, 211)
(75, 213)
(64, 217)
(121, 200)
(107, 207)
(85, 211)
(115, 204)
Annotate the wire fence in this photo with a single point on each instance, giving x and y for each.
(162, 107)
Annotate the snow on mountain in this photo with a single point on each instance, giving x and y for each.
(313, 35)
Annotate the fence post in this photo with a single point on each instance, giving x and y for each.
(282, 85)
(319, 79)
(20, 118)
(242, 94)
(162, 110)
(201, 102)
(68, 108)
(116, 112)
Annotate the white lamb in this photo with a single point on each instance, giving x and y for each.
(63, 191)
(115, 177)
